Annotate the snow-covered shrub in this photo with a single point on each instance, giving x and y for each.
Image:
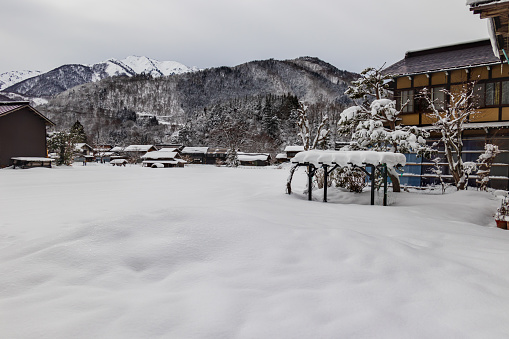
(352, 179)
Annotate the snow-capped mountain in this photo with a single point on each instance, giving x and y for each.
(67, 76)
(133, 65)
(8, 79)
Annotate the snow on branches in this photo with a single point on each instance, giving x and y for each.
(449, 120)
(484, 163)
(374, 125)
(322, 131)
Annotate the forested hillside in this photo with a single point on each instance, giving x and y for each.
(193, 108)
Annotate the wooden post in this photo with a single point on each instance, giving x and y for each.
(325, 179)
(385, 183)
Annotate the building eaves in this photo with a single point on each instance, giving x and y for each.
(8, 107)
(444, 58)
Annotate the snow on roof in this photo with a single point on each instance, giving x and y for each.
(173, 162)
(117, 149)
(217, 151)
(345, 158)
(195, 150)
(168, 149)
(475, 125)
(482, 2)
(159, 155)
(281, 156)
(32, 159)
(252, 157)
(118, 161)
(138, 148)
(80, 145)
(294, 148)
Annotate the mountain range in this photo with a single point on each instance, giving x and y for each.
(45, 85)
(139, 100)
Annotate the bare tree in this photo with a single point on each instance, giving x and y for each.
(322, 131)
(450, 120)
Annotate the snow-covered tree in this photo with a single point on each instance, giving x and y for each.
(450, 121)
(63, 144)
(319, 141)
(374, 123)
(232, 158)
(484, 163)
(322, 130)
(437, 170)
(373, 84)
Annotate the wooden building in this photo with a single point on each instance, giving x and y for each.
(135, 152)
(451, 67)
(196, 155)
(216, 156)
(22, 132)
(162, 159)
(254, 159)
(291, 151)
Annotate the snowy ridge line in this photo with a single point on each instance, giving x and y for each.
(346, 158)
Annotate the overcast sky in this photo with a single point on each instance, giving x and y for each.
(350, 34)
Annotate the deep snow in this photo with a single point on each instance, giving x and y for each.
(205, 252)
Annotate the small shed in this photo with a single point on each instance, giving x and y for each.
(291, 151)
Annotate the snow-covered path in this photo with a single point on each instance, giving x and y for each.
(207, 252)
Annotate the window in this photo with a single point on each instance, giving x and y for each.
(407, 101)
(438, 97)
(420, 103)
(492, 96)
(505, 92)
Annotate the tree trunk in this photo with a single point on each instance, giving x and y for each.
(395, 181)
(289, 180)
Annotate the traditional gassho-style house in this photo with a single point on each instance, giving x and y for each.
(253, 159)
(451, 67)
(22, 134)
(162, 158)
(135, 152)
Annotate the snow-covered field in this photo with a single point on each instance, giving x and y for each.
(208, 252)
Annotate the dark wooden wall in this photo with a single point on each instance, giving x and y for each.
(22, 134)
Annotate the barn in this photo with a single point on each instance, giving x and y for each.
(22, 132)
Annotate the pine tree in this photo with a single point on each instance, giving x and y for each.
(78, 132)
(373, 124)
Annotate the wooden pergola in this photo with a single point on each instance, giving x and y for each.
(367, 161)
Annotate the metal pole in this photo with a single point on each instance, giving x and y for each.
(372, 177)
(385, 184)
(325, 175)
(310, 183)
